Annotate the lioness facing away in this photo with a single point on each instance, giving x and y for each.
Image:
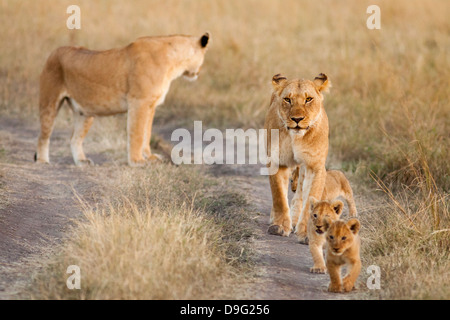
(134, 79)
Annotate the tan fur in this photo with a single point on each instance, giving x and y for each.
(304, 143)
(343, 246)
(134, 79)
(336, 184)
(321, 210)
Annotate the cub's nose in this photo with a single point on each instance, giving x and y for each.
(297, 120)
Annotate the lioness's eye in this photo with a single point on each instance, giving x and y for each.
(344, 238)
(287, 100)
(309, 99)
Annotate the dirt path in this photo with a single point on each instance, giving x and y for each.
(41, 204)
(282, 263)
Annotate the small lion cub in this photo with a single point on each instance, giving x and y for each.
(343, 245)
(319, 211)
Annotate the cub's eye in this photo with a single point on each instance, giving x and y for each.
(315, 215)
(287, 100)
(309, 99)
(331, 237)
(344, 238)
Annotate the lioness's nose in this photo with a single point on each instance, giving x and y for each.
(297, 120)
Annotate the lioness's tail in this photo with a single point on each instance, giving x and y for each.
(51, 97)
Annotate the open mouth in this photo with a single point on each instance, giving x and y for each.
(318, 231)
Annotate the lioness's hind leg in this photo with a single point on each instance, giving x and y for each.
(48, 110)
(80, 130)
(297, 200)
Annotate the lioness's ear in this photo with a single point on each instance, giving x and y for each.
(354, 225)
(278, 81)
(338, 206)
(323, 84)
(204, 40)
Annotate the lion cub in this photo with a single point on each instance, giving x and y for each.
(319, 211)
(336, 184)
(343, 245)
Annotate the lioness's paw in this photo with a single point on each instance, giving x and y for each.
(84, 163)
(278, 231)
(301, 233)
(337, 288)
(304, 240)
(154, 157)
(318, 270)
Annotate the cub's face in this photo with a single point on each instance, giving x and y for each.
(321, 210)
(196, 57)
(299, 101)
(340, 235)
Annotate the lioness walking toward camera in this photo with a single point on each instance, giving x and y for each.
(134, 79)
(336, 184)
(296, 110)
(343, 244)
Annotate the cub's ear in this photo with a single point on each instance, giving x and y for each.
(204, 40)
(323, 84)
(354, 225)
(326, 223)
(312, 203)
(338, 206)
(278, 82)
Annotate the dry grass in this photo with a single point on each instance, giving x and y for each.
(408, 238)
(388, 108)
(154, 237)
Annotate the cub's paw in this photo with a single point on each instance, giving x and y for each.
(348, 285)
(318, 270)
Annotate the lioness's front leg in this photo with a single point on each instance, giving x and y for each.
(312, 187)
(147, 153)
(298, 177)
(279, 216)
(138, 115)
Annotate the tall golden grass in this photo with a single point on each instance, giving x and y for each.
(154, 235)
